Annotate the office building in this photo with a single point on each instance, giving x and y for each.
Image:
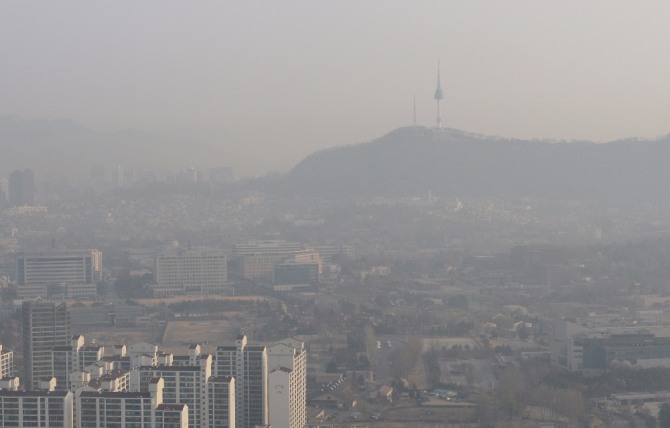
(199, 271)
(41, 273)
(260, 267)
(248, 364)
(287, 384)
(328, 252)
(269, 247)
(21, 188)
(296, 273)
(46, 325)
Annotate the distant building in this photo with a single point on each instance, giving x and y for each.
(193, 271)
(638, 349)
(578, 348)
(271, 247)
(73, 273)
(3, 194)
(258, 259)
(296, 273)
(21, 188)
(260, 267)
(46, 325)
(327, 252)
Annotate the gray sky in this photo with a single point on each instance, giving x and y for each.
(272, 81)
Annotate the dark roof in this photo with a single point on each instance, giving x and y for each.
(255, 348)
(226, 348)
(91, 348)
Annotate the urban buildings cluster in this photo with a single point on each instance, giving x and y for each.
(75, 274)
(69, 383)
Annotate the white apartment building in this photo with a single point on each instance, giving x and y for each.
(6, 362)
(42, 409)
(68, 359)
(287, 384)
(221, 402)
(248, 364)
(182, 385)
(97, 409)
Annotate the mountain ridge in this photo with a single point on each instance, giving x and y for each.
(414, 160)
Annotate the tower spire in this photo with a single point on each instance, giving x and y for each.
(414, 123)
(438, 96)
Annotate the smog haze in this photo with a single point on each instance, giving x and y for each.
(264, 84)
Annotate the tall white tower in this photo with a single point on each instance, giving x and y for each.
(438, 96)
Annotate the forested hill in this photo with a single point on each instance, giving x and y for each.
(415, 160)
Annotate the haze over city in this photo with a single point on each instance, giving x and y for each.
(335, 214)
(264, 84)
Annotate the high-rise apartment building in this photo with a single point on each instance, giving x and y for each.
(130, 409)
(43, 409)
(21, 188)
(46, 325)
(71, 358)
(248, 364)
(287, 384)
(191, 271)
(221, 402)
(36, 271)
(182, 385)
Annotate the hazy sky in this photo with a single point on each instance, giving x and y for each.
(272, 81)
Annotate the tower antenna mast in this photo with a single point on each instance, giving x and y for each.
(414, 110)
(438, 96)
